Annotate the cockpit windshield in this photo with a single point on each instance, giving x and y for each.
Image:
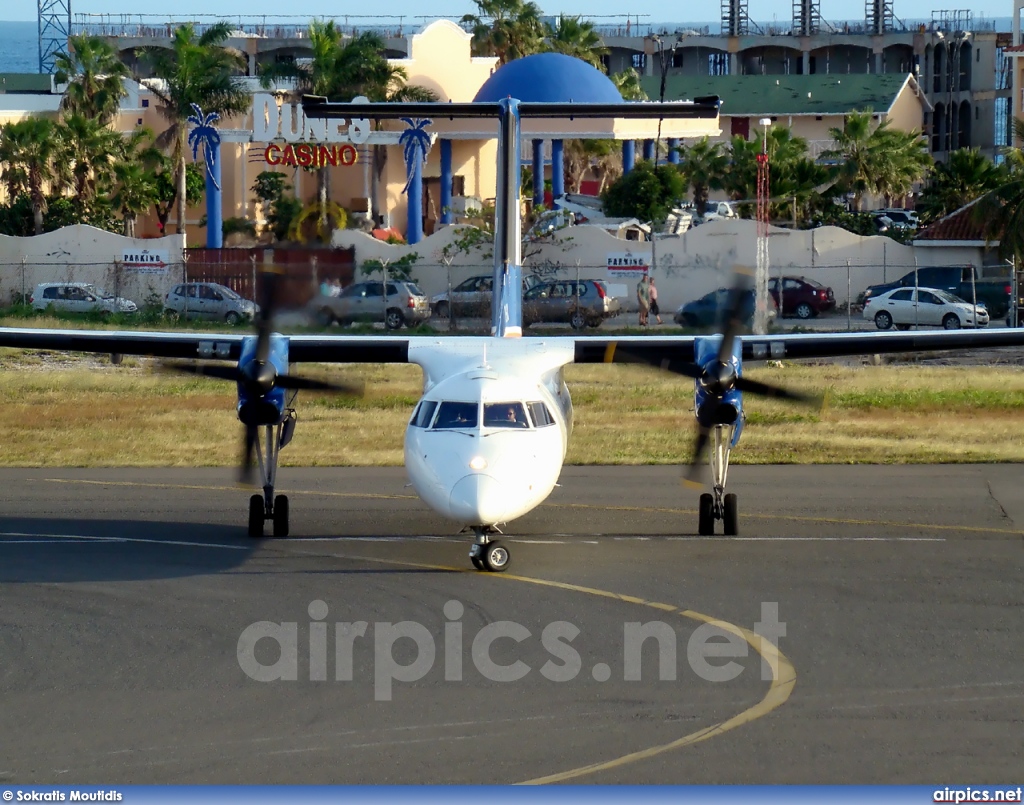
(505, 415)
(457, 415)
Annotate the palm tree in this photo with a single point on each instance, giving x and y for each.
(508, 29)
(87, 146)
(132, 183)
(32, 145)
(195, 70)
(702, 167)
(904, 162)
(14, 173)
(94, 74)
(965, 176)
(628, 84)
(1001, 210)
(574, 38)
(883, 161)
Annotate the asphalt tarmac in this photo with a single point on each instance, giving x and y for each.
(139, 626)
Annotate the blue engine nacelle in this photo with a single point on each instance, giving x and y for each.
(268, 408)
(729, 410)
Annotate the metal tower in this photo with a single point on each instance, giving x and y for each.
(806, 17)
(54, 30)
(879, 16)
(735, 19)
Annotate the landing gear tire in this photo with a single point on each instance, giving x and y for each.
(731, 516)
(256, 516)
(495, 557)
(706, 516)
(476, 562)
(281, 516)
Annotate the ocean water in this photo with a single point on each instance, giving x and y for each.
(19, 47)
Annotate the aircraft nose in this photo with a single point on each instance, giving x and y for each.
(477, 500)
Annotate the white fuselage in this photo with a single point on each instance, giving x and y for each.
(486, 442)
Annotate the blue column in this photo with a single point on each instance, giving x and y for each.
(446, 181)
(557, 171)
(673, 155)
(649, 150)
(214, 205)
(628, 155)
(414, 229)
(538, 173)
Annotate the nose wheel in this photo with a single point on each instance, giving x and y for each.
(489, 555)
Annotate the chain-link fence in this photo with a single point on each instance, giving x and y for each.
(306, 278)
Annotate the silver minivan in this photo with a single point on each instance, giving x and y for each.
(208, 300)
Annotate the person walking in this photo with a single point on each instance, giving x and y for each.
(643, 298)
(652, 292)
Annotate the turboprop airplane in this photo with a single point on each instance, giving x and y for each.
(485, 443)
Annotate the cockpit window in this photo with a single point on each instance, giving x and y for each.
(457, 415)
(505, 415)
(424, 413)
(541, 415)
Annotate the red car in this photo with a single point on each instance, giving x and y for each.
(801, 297)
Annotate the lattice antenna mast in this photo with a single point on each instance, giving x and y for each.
(54, 30)
(761, 270)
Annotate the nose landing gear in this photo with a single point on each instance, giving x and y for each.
(268, 506)
(488, 554)
(717, 505)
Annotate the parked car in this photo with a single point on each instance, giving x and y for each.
(585, 303)
(801, 297)
(208, 300)
(78, 297)
(961, 281)
(936, 307)
(897, 217)
(709, 310)
(472, 297)
(402, 301)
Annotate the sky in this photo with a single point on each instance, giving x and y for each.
(648, 10)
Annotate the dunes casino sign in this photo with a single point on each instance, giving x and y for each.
(295, 140)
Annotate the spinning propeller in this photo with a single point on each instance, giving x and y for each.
(258, 377)
(717, 377)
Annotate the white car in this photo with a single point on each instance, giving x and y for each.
(78, 297)
(906, 307)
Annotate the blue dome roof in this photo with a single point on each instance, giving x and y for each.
(549, 78)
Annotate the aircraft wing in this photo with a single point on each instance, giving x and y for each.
(588, 349)
(213, 346)
(655, 351)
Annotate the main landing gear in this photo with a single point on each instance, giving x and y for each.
(718, 505)
(488, 554)
(267, 506)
